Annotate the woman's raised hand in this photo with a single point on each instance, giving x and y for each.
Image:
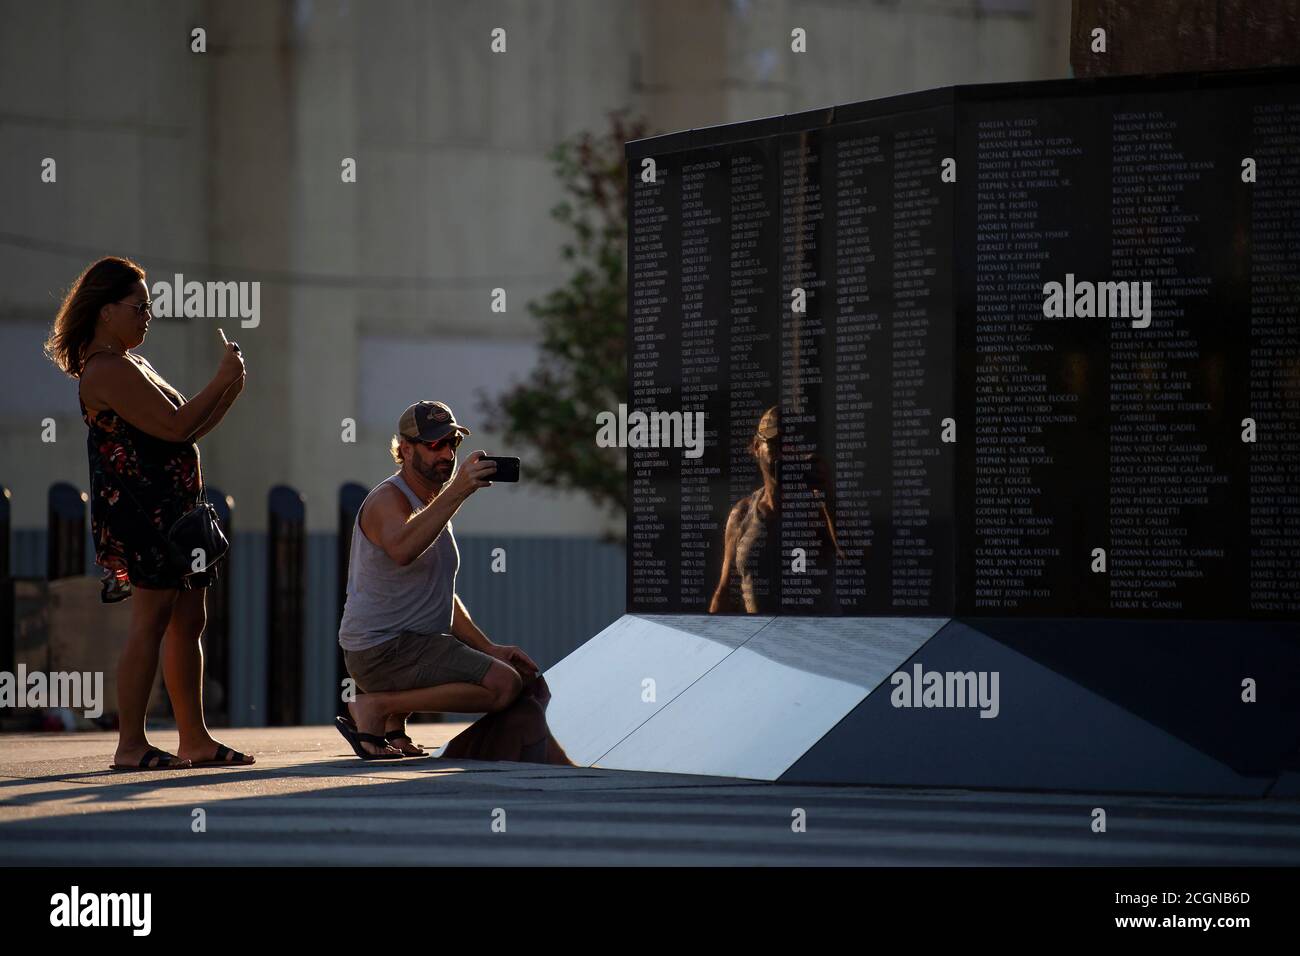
(231, 368)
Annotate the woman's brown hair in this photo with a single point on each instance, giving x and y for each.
(111, 279)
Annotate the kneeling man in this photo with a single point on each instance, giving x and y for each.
(407, 638)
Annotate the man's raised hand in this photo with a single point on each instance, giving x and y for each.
(473, 474)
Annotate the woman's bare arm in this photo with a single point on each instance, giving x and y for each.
(114, 381)
(228, 397)
(730, 537)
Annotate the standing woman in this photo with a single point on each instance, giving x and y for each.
(144, 474)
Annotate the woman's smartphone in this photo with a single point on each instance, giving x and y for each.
(507, 468)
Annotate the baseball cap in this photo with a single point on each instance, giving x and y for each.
(428, 421)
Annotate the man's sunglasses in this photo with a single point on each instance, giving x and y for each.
(453, 440)
(141, 308)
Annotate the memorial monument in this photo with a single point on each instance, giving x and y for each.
(1000, 384)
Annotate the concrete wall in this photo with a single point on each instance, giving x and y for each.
(111, 93)
(706, 62)
(225, 166)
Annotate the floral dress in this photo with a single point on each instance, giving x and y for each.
(163, 477)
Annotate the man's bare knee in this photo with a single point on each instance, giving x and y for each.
(504, 683)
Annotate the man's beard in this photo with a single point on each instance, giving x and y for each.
(437, 472)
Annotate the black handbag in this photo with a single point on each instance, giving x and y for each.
(198, 529)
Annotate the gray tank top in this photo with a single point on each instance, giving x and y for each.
(384, 599)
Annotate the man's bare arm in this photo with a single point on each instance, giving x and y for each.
(830, 528)
(388, 522)
(467, 632)
(464, 628)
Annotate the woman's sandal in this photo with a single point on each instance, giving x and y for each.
(225, 757)
(154, 759)
(355, 739)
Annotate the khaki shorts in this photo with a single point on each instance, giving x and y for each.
(411, 660)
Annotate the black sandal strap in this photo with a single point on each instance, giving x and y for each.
(398, 735)
(372, 739)
(223, 752)
(153, 753)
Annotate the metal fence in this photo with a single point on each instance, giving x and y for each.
(273, 619)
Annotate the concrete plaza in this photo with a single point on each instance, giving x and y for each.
(308, 801)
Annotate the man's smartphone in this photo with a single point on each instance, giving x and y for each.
(507, 468)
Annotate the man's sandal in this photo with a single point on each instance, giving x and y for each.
(393, 736)
(355, 739)
(225, 757)
(154, 759)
